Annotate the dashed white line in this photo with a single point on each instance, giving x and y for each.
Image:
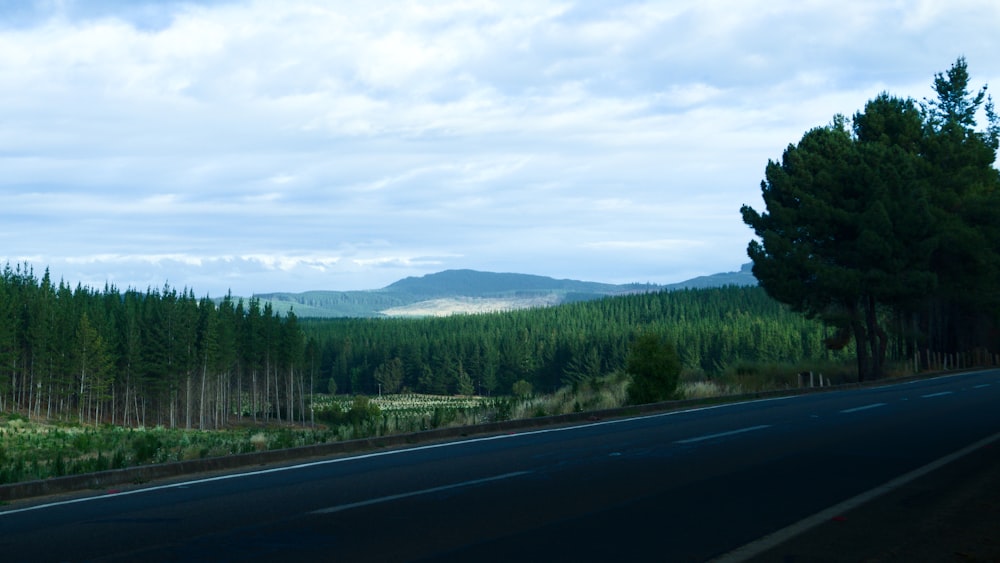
(403, 451)
(941, 394)
(980, 386)
(369, 502)
(864, 408)
(722, 434)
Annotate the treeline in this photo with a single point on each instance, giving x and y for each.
(143, 358)
(550, 347)
(163, 357)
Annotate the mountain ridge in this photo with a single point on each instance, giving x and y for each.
(472, 291)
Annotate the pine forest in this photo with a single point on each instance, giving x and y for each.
(160, 357)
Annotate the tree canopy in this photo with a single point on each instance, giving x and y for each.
(889, 219)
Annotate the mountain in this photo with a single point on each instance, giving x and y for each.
(470, 291)
(742, 277)
(472, 283)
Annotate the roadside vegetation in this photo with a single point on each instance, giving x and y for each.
(32, 450)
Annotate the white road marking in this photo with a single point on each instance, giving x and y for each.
(722, 434)
(772, 540)
(514, 434)
(390, 498)
(941, 394)
(864, 408)
(980, 386)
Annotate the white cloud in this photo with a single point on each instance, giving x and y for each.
(661, 245)
(272, 145)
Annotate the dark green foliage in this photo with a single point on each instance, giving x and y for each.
(502, 408)
(442, 416)
(177, 361)
(389, 375)
(655, 369)
(568, 344)
(143, 358)
(521, 388)
(332, 415)
(145, 446)
(889, 226)
(362, 411)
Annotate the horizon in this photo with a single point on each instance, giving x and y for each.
(38, 274)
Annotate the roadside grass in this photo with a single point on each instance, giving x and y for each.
(31, 450)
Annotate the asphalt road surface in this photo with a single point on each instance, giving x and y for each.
(680, 486)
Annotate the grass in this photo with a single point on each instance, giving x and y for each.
(32, 450)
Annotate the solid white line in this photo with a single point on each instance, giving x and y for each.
(417, 448)
(390, 498)
(864, 408)
(775, 539)
(513, 434)
(722, 434)
(941, 394)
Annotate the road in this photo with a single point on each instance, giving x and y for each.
(679, 486)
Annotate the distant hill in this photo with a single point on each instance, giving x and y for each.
(472, 283)
(742, 277)
(470, 291)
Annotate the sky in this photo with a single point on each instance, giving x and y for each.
(256, 146)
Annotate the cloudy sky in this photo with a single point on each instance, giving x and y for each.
(291, 145)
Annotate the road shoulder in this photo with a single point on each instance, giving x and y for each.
(950, 514)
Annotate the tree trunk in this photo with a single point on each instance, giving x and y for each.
(201, 403)
(877, 339)
(861, 347)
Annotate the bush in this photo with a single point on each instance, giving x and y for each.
(145, 446)
(332, 415)
(522, 388)
(655, 369)
(362, 411)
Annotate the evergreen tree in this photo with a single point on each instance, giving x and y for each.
(894, 219)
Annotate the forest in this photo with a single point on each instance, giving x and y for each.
(546, 348)
(162, 357)
(145, 358)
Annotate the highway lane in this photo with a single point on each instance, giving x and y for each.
(683, 486)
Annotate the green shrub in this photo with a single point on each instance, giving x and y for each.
(362, 411)
(522, 388)
(655, 369)
(145, 446)
(442, 416)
